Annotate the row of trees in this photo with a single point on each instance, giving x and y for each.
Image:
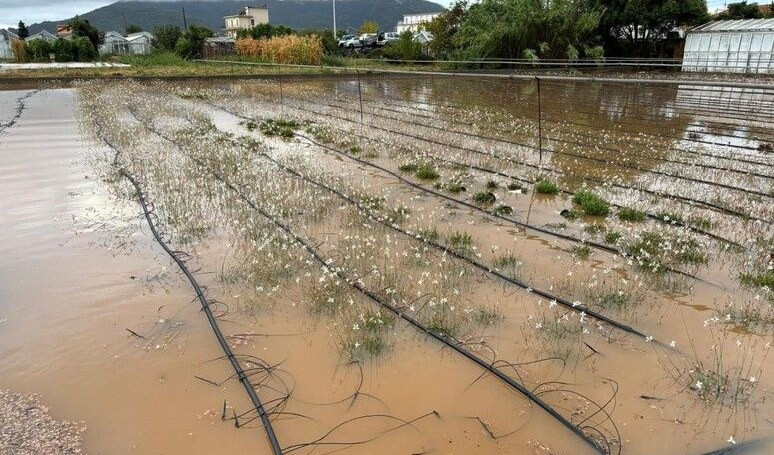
(81, 47)
(559, 28)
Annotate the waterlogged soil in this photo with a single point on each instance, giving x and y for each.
(98, 321)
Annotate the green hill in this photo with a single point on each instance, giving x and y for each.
(297, 14)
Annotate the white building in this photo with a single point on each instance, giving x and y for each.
(140, 43)
(412, 22)
(734, 46)
(246, 19)
(6, 36)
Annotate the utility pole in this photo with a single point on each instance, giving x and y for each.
(185, 23)
(334, 20)
(125, 24)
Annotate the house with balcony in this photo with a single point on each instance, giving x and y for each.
(246, 19)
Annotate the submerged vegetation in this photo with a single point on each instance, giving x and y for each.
(347, 252)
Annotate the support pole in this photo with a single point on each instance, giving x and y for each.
(540, 123)
(282, 98)
(360, 96)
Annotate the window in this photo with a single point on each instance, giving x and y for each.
(252, 22)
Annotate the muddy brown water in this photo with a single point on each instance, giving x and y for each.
(80, 268)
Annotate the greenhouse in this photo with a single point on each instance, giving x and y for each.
(734, 46)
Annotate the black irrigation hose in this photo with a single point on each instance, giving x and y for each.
(741, 447)
(575, 100)
(239, 371)
(572, 154)
(585, 144)
(526, 226)
(685, 199)
(19, 110)
(564, 122)
(511, 177)
(396, 311)
(402, 103)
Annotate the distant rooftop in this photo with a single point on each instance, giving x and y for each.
(740, 25)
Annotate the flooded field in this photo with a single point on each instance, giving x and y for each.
(387, 265)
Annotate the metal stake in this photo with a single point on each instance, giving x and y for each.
(540, 124)
(360, 96)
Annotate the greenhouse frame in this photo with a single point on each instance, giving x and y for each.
(734, 46)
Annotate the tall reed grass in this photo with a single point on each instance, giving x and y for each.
(291, 49)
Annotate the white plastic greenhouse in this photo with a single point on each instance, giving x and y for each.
(739, 46)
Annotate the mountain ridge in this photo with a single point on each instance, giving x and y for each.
(297, 14)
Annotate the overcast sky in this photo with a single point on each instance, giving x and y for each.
(32, 11)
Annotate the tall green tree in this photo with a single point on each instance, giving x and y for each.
(444, 28)
(264, 31)
(191, 43)
(642, 24)
(515, 28)
(22, 31)
(167, 36)
(741, 10)
(82, 28)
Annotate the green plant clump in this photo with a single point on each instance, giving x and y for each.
(633, 215)
(484, 198)
(591, 203)
(427, 172)
(546, 187)
(461, 242)
(502, 210)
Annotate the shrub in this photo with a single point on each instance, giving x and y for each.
(167, 36)
(63, 50)
(83, 50)
(405, 48)
(484, 198)
(40, 50)
(20, 51)
(591, 203)
(492, 185)
(190, 45)
(627, 214)
(545, 186)
(290, 49)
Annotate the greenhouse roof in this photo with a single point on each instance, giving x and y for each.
(746, 25)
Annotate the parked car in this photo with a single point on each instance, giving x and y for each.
(368, 39)
(349, 41)
(386, 38)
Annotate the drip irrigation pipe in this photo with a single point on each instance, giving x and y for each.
(554, 151)
(688, 200)
(574, 306)
(565, 123)
(238, 370)
(518, 179)
(397, 312)
(508, 176)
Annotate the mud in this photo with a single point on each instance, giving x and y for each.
(102, 326)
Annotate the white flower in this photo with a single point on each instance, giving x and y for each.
(753, 379)
(731, 440)
(699, 385)
(355, 327)
(648, 339)
(672, 344)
